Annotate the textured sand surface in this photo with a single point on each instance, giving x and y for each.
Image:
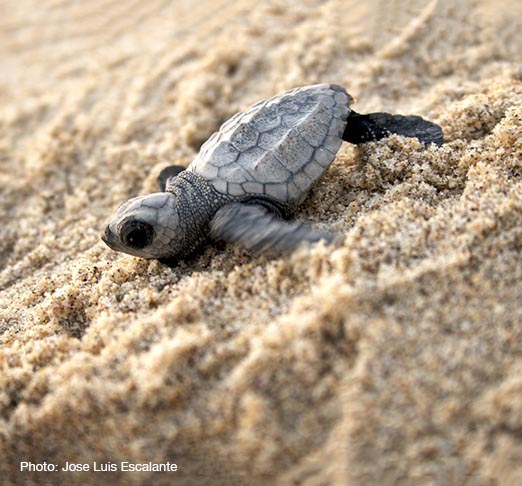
(394, 360)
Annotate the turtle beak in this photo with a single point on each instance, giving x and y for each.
(108, 237)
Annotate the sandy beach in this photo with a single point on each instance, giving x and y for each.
(394, 359)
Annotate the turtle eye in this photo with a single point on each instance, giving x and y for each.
(137, 234)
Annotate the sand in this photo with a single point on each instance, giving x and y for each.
(395, 359)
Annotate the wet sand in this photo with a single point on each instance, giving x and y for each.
(395, 359)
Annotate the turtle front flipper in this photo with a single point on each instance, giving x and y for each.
(258, 230)
(374, 126)
(168, 173)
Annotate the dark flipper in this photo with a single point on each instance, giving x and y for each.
(166, 174)
(258, 230)
(374, 126)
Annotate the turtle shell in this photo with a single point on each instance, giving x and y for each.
(278, 147)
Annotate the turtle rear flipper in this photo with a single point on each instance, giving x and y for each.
(258, 230)
(374, 126)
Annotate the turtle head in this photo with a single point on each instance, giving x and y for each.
(147, 227)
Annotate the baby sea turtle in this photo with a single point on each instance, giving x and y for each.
(252, 174)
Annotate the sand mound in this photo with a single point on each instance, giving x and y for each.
(395, 359)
